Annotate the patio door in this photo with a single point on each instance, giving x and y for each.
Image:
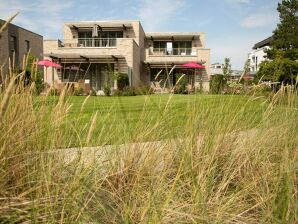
(101, 73)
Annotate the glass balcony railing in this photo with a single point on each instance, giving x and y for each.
(91, 42)
(173, 51)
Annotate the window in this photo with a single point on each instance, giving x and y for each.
(182, 44)
(85, 34)
(182, 47)
(110, 34)
(13, 44)
(159, 44)
(13, 50)
(27, 46)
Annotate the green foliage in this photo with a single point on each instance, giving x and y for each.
(278, 70)
(283, 65)
(122, 80)
(107, 90)
(227, 69)
(78, 92)
(285, 36)
(33, 74)
(129, 91)
(217, 83)
(235, 87)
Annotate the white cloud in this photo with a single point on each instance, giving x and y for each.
(259, 20)
(238, 1)
(38, 15)
(154, 14)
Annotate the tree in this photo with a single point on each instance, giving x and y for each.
(283, 55)
(285, 36)
(227, 69)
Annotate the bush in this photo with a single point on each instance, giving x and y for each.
(107, 90)
(278, 70)
(78, 92)
(122, 80)
(216, 84)
(235, 87)
(130, 91)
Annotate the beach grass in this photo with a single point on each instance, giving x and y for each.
(160, 158)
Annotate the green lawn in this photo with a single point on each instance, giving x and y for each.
(121, 119)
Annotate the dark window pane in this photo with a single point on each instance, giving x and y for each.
(27, 46)
(188, 44)
(85, 34)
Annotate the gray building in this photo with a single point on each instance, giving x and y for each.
(15, 43)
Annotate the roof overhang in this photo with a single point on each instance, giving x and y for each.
(173, 36)
(162, 64)
(263, 43)
(84, 57)
(102, 25)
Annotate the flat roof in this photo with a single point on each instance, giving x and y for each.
(84, 56)
(167, 35)
(263, 43)
(102, 23)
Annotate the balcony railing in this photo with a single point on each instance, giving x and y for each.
(91, 42)
(173, 51)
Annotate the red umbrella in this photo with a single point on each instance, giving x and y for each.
(47, 63)
(193, 64)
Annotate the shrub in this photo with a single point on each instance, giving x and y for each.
(78, 92)
(234, 87)
(129, 91)
(122, 80)
(216, 84)
(107, 90)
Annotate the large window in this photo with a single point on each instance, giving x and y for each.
(110, 34)
(182, 44)
(172, 47)
(85, 34)
(160, 44)
(182, 48)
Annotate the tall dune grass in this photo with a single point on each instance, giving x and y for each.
(217, 169)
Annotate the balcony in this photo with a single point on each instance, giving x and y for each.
(90, 42)
(173, 52)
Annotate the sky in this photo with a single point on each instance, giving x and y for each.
(232, 27)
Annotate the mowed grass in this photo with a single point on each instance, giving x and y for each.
(115, 119)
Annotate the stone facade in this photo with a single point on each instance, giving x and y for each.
(133, 53)
(23, 37)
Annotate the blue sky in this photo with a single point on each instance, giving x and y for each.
(231, 26)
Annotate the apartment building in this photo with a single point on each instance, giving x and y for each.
(15, 43)
(93, 50)
(258, 54)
